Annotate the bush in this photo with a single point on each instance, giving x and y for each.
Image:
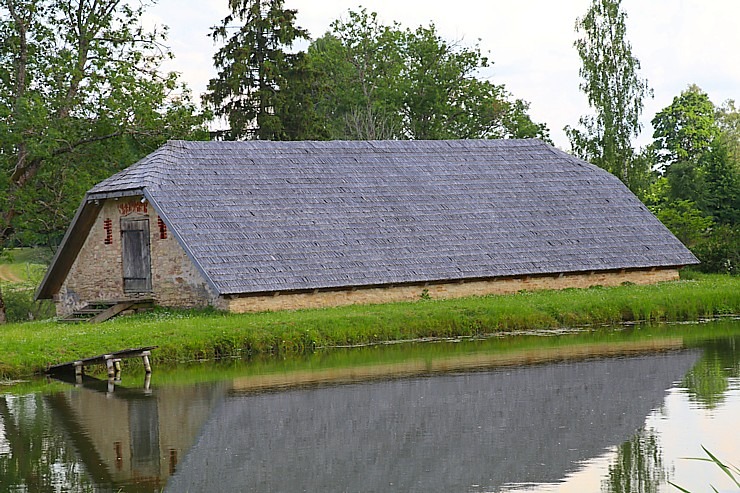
(719, 250)
(20, 307)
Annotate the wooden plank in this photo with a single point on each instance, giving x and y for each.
(111, 312)
(67, 252)
(102, 358)
(99, 311)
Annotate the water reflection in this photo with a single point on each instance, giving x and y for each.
(638, 466)
(479, 420)
(707, 382)
(127, 439)
(470, 432)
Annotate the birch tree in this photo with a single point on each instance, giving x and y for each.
(614, 90)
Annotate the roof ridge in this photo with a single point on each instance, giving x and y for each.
(397, 145)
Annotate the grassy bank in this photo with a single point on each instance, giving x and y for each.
(184, 336)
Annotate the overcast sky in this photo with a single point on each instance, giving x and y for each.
(678, 42)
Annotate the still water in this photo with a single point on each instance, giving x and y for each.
(588, 411)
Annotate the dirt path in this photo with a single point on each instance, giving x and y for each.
(6, 274)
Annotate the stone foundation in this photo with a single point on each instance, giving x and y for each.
(321, 299)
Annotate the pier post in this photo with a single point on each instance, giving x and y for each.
(145, 359)
(117, 368)
(110, 365)
(148, 383)
(79, 371)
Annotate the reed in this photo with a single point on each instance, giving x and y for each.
(733, 472)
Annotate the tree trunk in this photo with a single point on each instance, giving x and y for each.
(3, 317)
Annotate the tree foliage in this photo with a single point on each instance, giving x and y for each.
(728, 121)
(695, 148)
(360, 80)
(686, 129)
(613, 88)
(81, 96)
(387, 82)
(254, 69)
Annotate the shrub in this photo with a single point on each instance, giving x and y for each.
(719, 250)
(21, 307)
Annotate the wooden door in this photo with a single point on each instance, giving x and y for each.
(137, 271)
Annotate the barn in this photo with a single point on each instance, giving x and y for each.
(259, 225)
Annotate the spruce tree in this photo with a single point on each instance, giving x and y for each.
(253, 68)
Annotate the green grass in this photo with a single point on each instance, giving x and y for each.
(23, 264)
(524, 346)
(27, 348)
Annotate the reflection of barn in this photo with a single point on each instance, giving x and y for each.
(131, 436)
(446, 433)
(248, 226)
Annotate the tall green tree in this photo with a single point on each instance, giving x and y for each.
(721, 177)
(360, 64)
(384, 81)
(728, 120)
(694, 144)
(254, 67)
(686, 129)
(696, 150)
(295, 106)
(614, 90)
(81, 95)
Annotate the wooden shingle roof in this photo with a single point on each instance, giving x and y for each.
(263, 216)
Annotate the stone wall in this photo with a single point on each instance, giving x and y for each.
(97, 273)
(319, 299)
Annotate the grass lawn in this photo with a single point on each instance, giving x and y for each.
(28, 348)
(23, 265)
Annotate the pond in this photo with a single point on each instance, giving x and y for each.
(607, 410)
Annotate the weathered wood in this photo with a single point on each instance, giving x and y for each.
(111, 360)
(111, 312)
(110, 365)
(102, 310)
(137, 272)
(145, 358)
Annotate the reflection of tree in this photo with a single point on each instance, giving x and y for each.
(38, 458)
(638, 467)
(707, 381)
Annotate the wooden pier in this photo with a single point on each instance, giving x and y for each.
(112, 361)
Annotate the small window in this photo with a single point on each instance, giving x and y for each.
(162, 229)
(108, 226)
